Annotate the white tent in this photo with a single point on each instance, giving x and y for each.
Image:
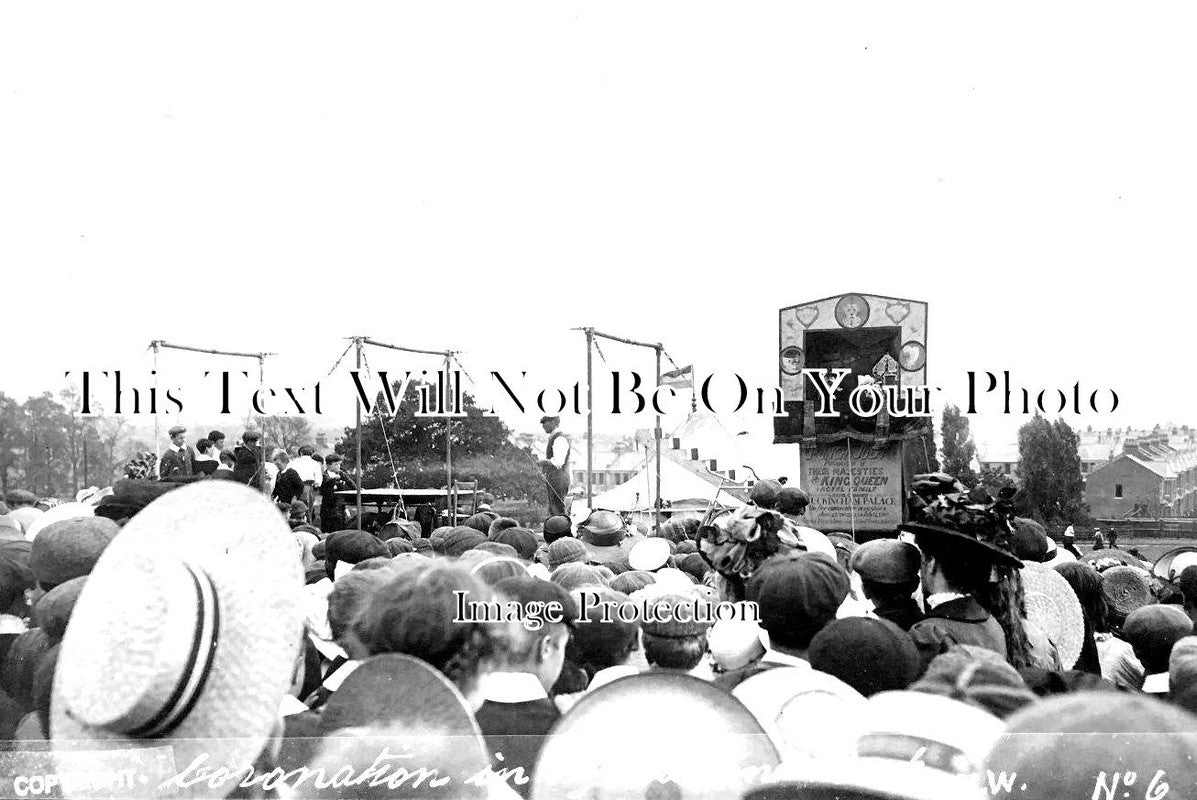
(639, 493)
(736, 443)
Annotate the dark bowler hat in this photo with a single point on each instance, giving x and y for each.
(556, 527)
(602, 528)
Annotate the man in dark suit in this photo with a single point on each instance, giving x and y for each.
(248, 459)
(331, 518)
(176, 461)
(288, 485)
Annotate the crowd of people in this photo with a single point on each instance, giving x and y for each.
(304, 483)
(967, 654)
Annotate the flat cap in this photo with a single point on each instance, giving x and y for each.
(69, 548)
(978, 677)
(498, 549)
(354, 547)
(870, 655)
(175, 430)
(1030, 540)
(53, 610)
(764, 493)
(889, 561)
(797, 594)
(1156, 627)
(671, 616)
(461, 539)
(565, 550)
(633, 580)
(791, 500)
(522, 539)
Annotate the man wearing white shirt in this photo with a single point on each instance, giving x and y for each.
(311, 473)
(555, 466)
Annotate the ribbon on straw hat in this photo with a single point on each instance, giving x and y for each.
(186, 634)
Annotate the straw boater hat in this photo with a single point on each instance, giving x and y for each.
(625, 739)
(785, 700)
(1053, 606)
(1172, 563)
(186, 634)
(1125, 589)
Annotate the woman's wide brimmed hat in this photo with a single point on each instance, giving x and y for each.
(970, 521)
(1169, 566)
(964, 543)
(1126, 589)
(687, 738)
(1053, 606)
(185, 636)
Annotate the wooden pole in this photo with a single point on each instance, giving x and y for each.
(452, 496)
(157, 435)
(657, 438)
(589, 417)
(357, 343)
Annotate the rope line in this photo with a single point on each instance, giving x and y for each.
(340, 359)
(383, 425)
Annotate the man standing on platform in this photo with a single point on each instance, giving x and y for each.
(176, 461)
(555, 466)
(311, 473)
(248, 467)
(331, 518)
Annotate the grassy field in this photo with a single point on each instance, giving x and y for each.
(1150, 548)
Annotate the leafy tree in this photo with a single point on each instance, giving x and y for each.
(995, 481)
(1050, 468)
(411, 448)
(286, 432)
(959, 452)
(920, 454)
(12, 439)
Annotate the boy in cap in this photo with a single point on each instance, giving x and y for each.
(334, 481)
(249, 468)
(176, 461)
(798, 594)
(675, 637)
(517, 713)
(889, 574)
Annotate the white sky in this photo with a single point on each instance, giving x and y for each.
(487, 176)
